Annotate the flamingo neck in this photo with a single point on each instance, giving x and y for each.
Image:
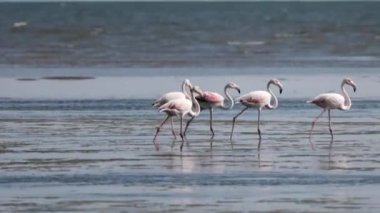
(184, 91)
(275, 101)
(195, 109)
(230, 100)
(347, 100)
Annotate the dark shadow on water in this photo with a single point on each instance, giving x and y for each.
(331, 143)
(68, 78)
(313, 146)
(211, 142)
(185, 142)
(173, 143)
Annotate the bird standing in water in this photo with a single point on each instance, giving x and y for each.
(258, 100)
(209, 100)
(180, 108)
(329, 101)
(165, 98)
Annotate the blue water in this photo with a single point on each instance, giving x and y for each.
(134, 105)
(170, 34)
(97, 155)
(86, 145)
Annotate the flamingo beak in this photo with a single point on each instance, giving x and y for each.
(354, 88)
(238, 89)
(280, 90)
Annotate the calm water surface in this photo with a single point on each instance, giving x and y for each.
(86, 145)
(97, 155)
(176, 34)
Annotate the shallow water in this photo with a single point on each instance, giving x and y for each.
(86, 145)
(97, 155)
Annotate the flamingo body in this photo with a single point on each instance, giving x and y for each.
(210, 99)
(176, 107)
(168, 97)
(256, 99)
(329, 101)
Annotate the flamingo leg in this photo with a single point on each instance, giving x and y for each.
(234, 119)
(181, 133)
(312, 127)
(258, 128)
(315, 121)
(158, 130)
(173, 132)
(259, 158)
(211, 129)
(258, 123)
(259, 145)
(330, 146)
(187, 125)
(330, 128)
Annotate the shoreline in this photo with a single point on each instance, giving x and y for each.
(150, 87)
(40, 72)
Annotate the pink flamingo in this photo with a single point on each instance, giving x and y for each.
(209, 100)
(258, 100)
(181, 108)
(165, 98)
(329, 101)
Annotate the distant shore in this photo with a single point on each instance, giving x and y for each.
(151, 83)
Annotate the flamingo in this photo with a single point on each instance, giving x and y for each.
(209, 100)
(329, 101)
(165, 98)
(181, 108)
(258, 100)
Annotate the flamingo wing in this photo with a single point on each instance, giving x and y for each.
(168, 97)
(211, 97)
(329, 101)
(176, 106)
(255, 98)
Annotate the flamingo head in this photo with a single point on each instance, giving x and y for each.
(186, 85)
(277, 83)
(196, 89)
(232, 85)
(187, 82)
(350, 82)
